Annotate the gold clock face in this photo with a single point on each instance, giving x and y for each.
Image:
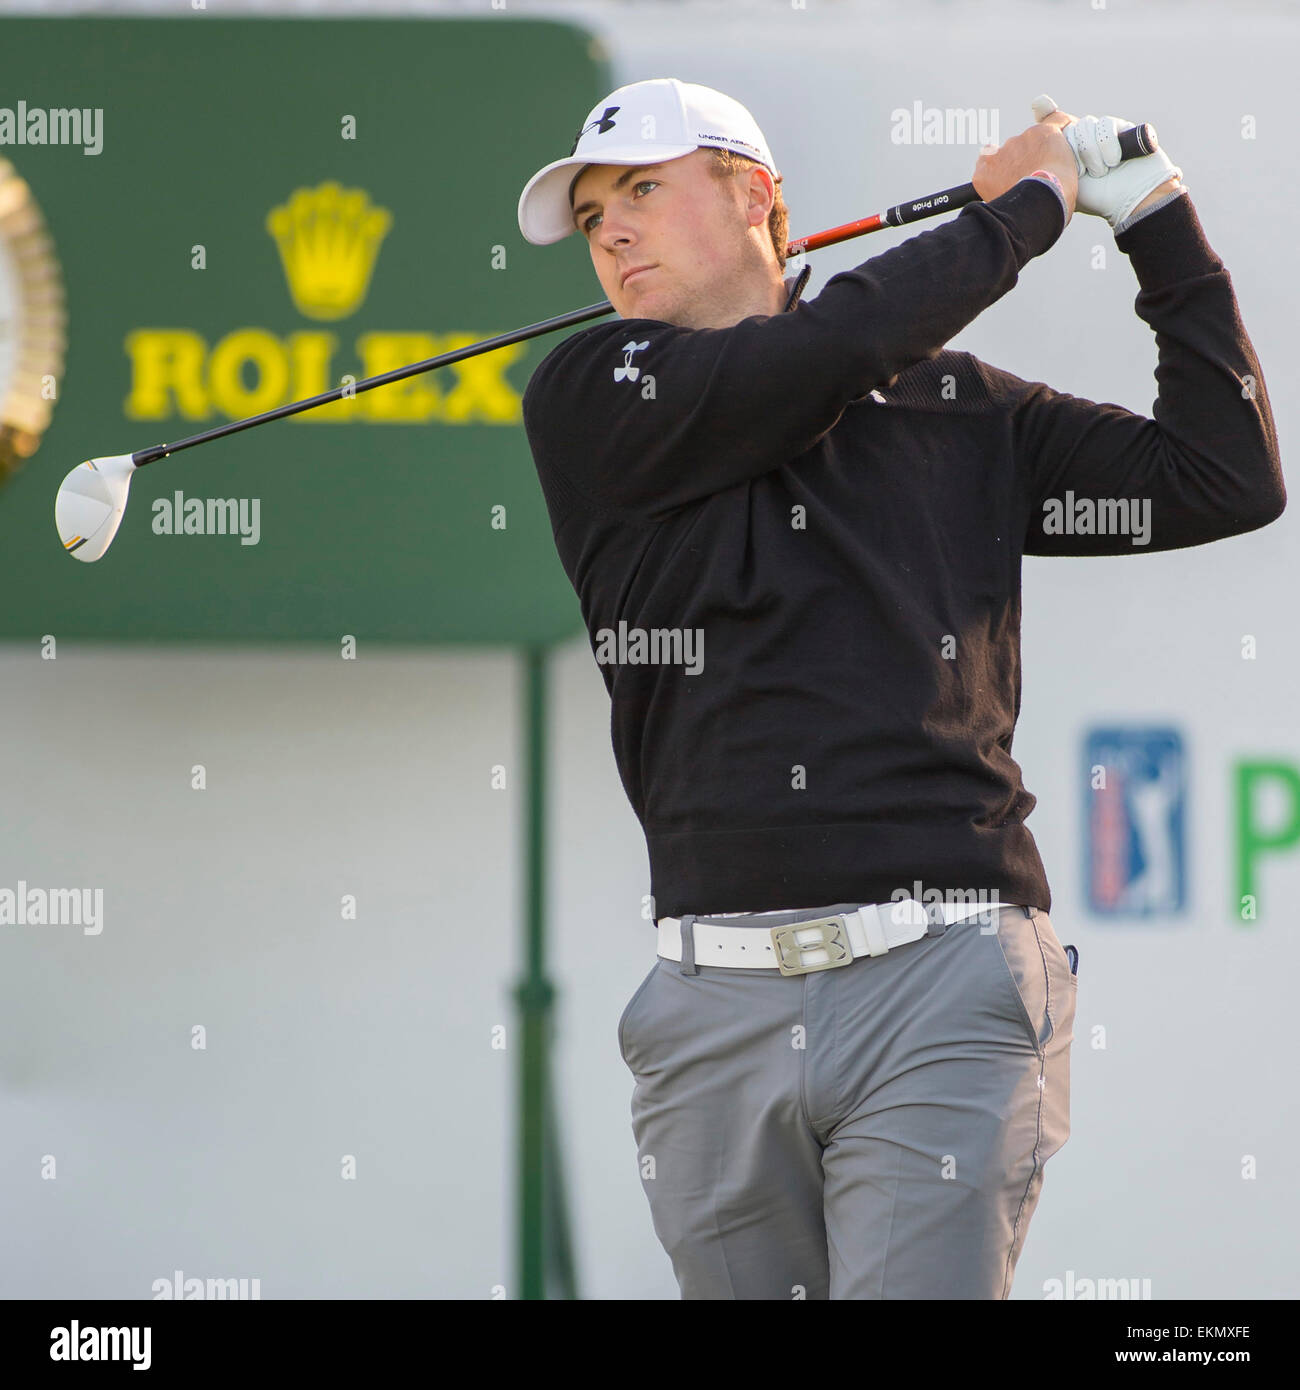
(32, 323)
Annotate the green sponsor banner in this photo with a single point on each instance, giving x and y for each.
(245, 213)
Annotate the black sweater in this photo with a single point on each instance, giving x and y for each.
(837, 507)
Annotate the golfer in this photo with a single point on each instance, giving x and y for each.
(795, 530)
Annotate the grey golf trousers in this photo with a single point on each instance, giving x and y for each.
(873, 1131)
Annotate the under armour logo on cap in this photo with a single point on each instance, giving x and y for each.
(640, 124)
(602, 124)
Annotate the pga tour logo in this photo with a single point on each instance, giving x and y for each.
(1135, 819)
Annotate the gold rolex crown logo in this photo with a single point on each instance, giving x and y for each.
(328, 239)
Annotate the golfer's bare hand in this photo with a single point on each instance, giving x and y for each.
(1042, 146)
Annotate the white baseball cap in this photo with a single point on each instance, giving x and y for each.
(643, 123)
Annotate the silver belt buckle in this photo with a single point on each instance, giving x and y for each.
(832, 937)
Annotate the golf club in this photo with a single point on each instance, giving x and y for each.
(92, 498)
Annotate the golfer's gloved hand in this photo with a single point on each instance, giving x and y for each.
(1107, 187)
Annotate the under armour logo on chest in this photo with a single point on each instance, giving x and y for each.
(627, 372)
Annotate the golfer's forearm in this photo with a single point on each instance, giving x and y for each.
(912, 300)
(1211, 405)
(1206, 465)
(710, 408)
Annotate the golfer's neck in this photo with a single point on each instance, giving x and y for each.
(761, 295)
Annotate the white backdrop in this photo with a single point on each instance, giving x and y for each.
(373, 1038)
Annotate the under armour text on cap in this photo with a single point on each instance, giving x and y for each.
(647, 122)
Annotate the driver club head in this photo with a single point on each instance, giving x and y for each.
(90, 504)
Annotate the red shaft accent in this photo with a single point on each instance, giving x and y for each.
(834, 234)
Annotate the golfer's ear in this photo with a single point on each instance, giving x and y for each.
(762, 194)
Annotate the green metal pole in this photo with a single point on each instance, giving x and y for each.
(534, 996)
(560, 1268)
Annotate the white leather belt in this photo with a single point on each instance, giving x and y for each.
(814, 943)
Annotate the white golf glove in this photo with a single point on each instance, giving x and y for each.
(1107, 187)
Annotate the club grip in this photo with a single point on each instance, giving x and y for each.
(944, 201)
(1133, 144)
